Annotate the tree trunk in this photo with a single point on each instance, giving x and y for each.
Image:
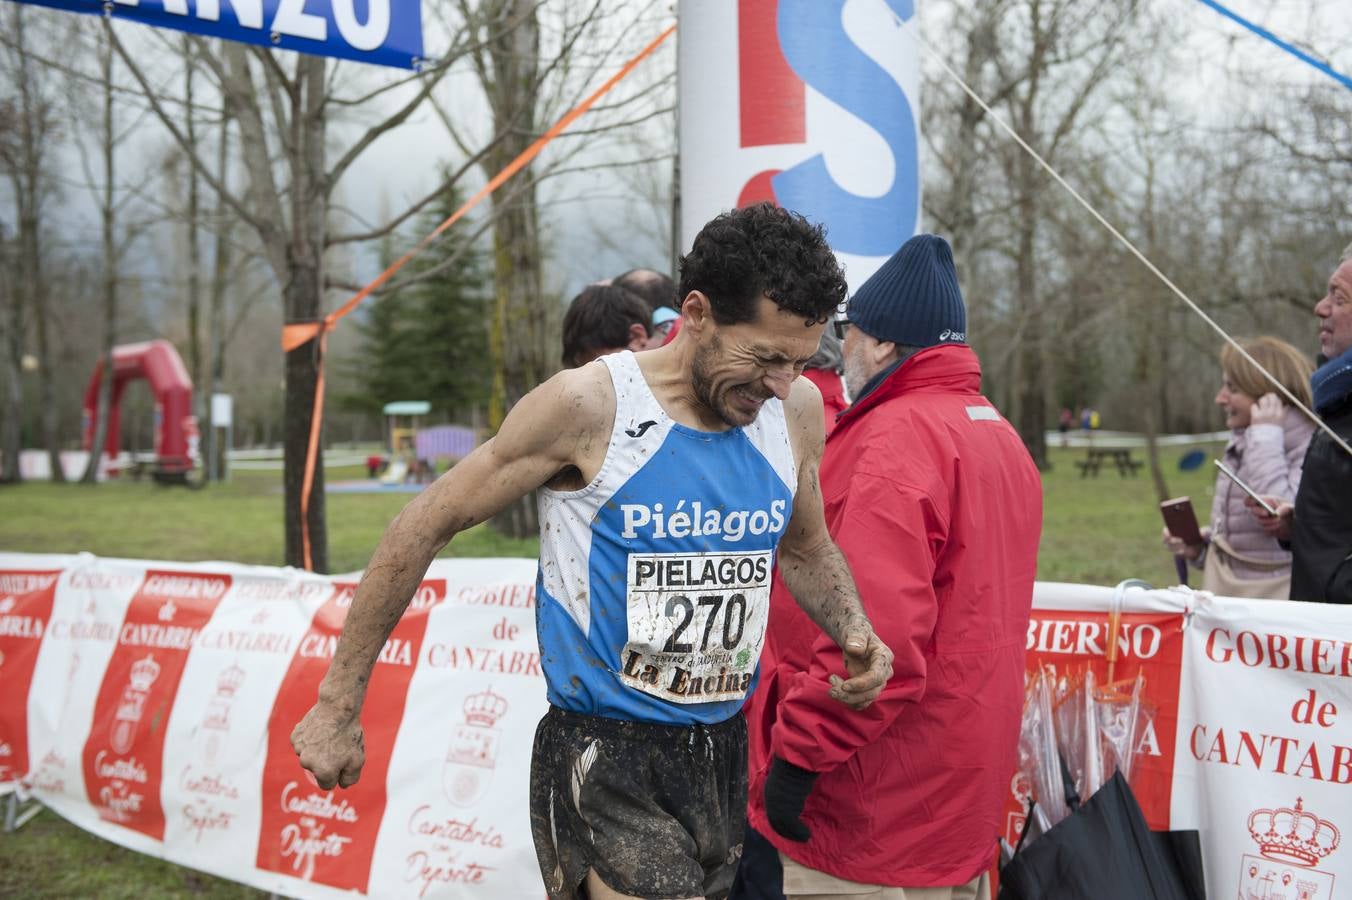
(11, 436)
(27, 177)
(51, 434)
(216, 449)
(108, 214)
(304, 299)
(196, 363)
(1149, 367)
(301, 377)
(519, 338)
(34, 299)
(967, 150)
(519, 326)
(1148, 374)
(1030, 414)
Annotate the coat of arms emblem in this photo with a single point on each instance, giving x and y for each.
(216, 723)
(473, 753)
(1291, 842)
(132, 705)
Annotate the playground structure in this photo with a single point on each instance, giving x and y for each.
(402, 420)
(176, 434)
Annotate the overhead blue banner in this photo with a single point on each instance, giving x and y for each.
(380, 32)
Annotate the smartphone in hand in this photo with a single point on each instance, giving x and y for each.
(1225, 470)
(1181, 521)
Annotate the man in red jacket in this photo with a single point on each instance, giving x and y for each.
(938, 508)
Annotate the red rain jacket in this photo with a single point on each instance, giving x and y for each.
(936, 504)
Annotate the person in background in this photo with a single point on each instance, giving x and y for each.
(824, 370)
(1266, 450)
(1318, 524)
(659, 292)
(933, 498)
(664, 321)
(675, 330)
(1067, 419)
(604, 319)
(653, 287)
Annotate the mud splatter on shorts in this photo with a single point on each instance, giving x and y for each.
(657, 810)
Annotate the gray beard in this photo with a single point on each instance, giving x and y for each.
(856, 376)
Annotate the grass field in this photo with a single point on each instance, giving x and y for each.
(1096, 531)
(240, 521)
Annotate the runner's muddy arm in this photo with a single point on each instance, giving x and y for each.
(815, 570)
(546, 432)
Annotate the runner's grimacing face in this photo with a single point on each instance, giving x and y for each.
(738, 367)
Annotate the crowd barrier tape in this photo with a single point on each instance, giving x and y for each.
(151, 703)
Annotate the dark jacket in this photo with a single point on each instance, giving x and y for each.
(1321, 531)
(937, 507)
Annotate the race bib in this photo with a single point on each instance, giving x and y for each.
(696, 624)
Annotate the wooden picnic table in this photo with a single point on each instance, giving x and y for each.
(1119, 456)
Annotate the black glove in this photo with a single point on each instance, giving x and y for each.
(786, 790)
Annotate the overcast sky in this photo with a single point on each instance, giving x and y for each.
(406, 163)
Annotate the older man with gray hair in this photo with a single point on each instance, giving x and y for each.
(937, 505)
(1318, 524)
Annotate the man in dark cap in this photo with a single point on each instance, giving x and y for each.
(938, 507)
(1317, 524)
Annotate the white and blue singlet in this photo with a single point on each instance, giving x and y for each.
(654, 581)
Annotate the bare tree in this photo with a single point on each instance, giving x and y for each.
(507, 62)
(221, 263)
(108, 218)
(1043, 65)
(192, 216)
(26, 151)
(11, 353)
(284, 119)
(526, 87)
(298, 137)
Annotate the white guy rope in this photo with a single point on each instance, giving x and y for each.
(1319, 423)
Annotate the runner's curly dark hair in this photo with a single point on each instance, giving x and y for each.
(763, 249)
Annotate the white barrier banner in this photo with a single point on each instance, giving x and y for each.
(152, 703)
(1264, 765)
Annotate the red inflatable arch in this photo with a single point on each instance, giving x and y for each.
(175, 426)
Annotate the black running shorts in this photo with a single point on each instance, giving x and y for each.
(657, 810)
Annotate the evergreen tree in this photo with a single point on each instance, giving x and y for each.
(428, 341)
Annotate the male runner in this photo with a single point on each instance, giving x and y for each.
(670, 480)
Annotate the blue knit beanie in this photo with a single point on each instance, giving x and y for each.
(914, 299)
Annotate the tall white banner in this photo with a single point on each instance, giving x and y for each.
(813, 104)
(1264, 768)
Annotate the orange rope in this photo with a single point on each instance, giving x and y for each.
(294, 336)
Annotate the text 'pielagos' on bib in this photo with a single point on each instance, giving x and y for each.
(696, 624)
(654, 579)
